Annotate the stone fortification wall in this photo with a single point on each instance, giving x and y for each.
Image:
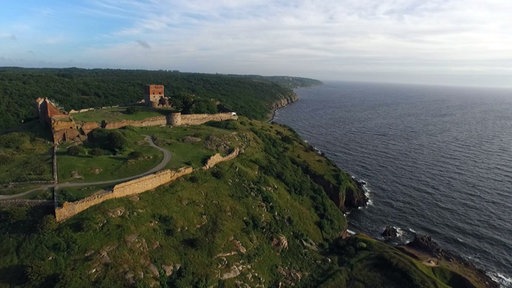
(152, 121)
(217, 158)
(87, 127)
(149, 182)
(135, 186)
(132, 187)
(178, 119)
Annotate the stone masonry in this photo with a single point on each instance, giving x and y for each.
(135, 186)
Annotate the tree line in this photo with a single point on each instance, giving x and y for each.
(74, 88)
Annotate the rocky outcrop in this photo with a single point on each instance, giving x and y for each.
(284, 101)
(352, 196)
(426, 244)
(390, 233)
(355, 197)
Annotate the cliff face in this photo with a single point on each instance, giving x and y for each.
(284, 101)
(345, 197)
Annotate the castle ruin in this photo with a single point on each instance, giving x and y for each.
(154, 96)
(65, 129)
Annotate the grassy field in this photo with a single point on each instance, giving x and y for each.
(88, 168)
(25, 154)
(116, 114)
(191, 146)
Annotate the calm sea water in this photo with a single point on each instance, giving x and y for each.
(438, 160)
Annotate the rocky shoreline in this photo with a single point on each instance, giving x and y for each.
(430, 253)
(283, 102)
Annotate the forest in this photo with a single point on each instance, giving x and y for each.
(75, 88)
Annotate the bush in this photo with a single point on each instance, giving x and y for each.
(133, 109)
(74, 151)
(135, 155)
(217, 173)
(97, 151)
(228, 125)
(112, 140)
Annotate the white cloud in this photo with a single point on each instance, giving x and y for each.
(305, 37)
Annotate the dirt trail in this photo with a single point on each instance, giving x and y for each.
(160, 166)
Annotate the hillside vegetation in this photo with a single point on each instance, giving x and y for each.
(272, 217)
(260, 219)
(75, 88)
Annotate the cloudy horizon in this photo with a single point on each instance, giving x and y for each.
(464, 43)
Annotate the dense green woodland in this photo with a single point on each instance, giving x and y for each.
(75, 88)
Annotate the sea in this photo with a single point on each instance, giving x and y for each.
(436, 160)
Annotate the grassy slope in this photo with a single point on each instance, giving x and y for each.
(197, 222)
(24, 155)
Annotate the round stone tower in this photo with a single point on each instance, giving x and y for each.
(175, 119)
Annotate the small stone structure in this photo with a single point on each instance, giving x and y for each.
(135, 186)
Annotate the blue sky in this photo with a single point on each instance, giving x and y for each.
(450, 42)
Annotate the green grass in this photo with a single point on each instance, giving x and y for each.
(25, 155)
(7, 189)
(196, 222)
(189, 152)
(76, 193)
(89, 168)
(115, 114)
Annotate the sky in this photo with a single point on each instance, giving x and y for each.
(447, 42)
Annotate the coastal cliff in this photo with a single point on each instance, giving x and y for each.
(288, 99)
(281, 103)
(271, 217)
(274, 211)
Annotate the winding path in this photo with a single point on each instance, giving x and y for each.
(160, 166)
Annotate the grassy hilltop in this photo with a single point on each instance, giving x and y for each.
(271, 217)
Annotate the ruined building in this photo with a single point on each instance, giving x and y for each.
(62, 125)
(154, 96)
(46, 110)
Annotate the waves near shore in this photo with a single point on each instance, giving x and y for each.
(437, 160)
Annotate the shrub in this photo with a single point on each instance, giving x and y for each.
(112, 140)
(97, 151)
(217, 173)
(135, 155)
(74, 151)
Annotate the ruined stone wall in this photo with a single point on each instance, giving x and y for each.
(63, 128)
(152, 121)
(87, 127)
(217, 158)
(124, 189)
(149, 182)
(135, 186)
(198, 119)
